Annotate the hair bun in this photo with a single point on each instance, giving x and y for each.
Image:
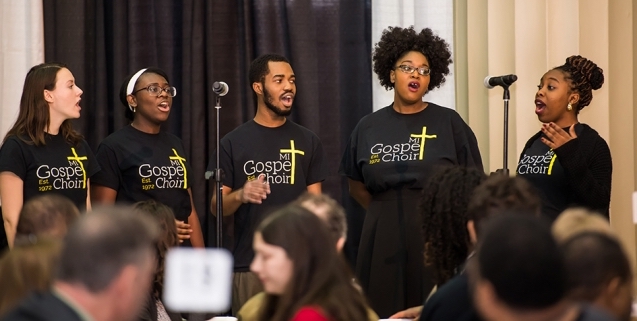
(596, 78)
(594, 75)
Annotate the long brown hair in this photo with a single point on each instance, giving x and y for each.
(320, 276)
(167, 238)
(25, 269)
(34, 116)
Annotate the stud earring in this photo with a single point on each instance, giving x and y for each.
(569, 107)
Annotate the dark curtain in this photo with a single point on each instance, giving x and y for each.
(199, 42)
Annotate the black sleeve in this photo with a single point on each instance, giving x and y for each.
(589, 177)
(109, 174)
(225, 158)
(12, 158)
(349, 166)
(93, 166)
(317, 170)
(452, 301)
(467, 149)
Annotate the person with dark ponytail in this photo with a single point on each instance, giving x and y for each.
(443, 208)
(141, 162)
(568, 162)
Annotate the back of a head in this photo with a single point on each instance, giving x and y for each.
(167, 239)
(519, 257)
(48, 215)
(592, 260)
(101, 243)
(27, 268)
(499, 194)
(443, 207)
(328, 210)
(577, 220)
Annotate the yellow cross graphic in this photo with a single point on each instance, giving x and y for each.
(292, 151)
(552, 162)
(79, 160)
(181, 161)
(422, 137)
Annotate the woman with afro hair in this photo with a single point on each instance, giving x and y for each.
(391, 154)
(568, 162)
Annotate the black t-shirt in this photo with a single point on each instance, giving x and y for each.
(56, 167)
(290, 156)
(142, 166)
(452, 301)
(540, 166)
(388, 149)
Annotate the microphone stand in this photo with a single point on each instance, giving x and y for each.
(217, 174)
(506, 97)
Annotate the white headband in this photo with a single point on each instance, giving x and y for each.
(131, 85)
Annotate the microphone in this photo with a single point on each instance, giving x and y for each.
(504, 81)
(220, 88)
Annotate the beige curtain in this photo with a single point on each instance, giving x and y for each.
(21, 47)
(496, 37)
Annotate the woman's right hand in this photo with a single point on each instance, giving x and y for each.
(183, 231)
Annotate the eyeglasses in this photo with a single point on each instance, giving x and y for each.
(156, 90)
(424, 71)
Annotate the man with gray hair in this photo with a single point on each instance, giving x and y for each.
(105, 270)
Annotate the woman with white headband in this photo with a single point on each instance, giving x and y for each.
(140, 162)
(41, 153)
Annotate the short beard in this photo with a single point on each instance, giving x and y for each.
(268, 100)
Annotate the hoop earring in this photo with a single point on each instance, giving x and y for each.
(569, 107)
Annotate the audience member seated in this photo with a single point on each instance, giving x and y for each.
(332, 214)
(25, 269)
(496, 195)
(577, 220)
(443, 207)
(47, 215)
(598, 272)
(105, 270)
(163, 215)
(519, 274)
(302, 273)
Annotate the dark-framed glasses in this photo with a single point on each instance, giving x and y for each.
(156, 90)
(424, 71)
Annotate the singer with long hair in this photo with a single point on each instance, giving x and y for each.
(141, 162)
(389, 158)
(42, 153)
(567, 161)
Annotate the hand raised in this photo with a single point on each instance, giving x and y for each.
(556, 136)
